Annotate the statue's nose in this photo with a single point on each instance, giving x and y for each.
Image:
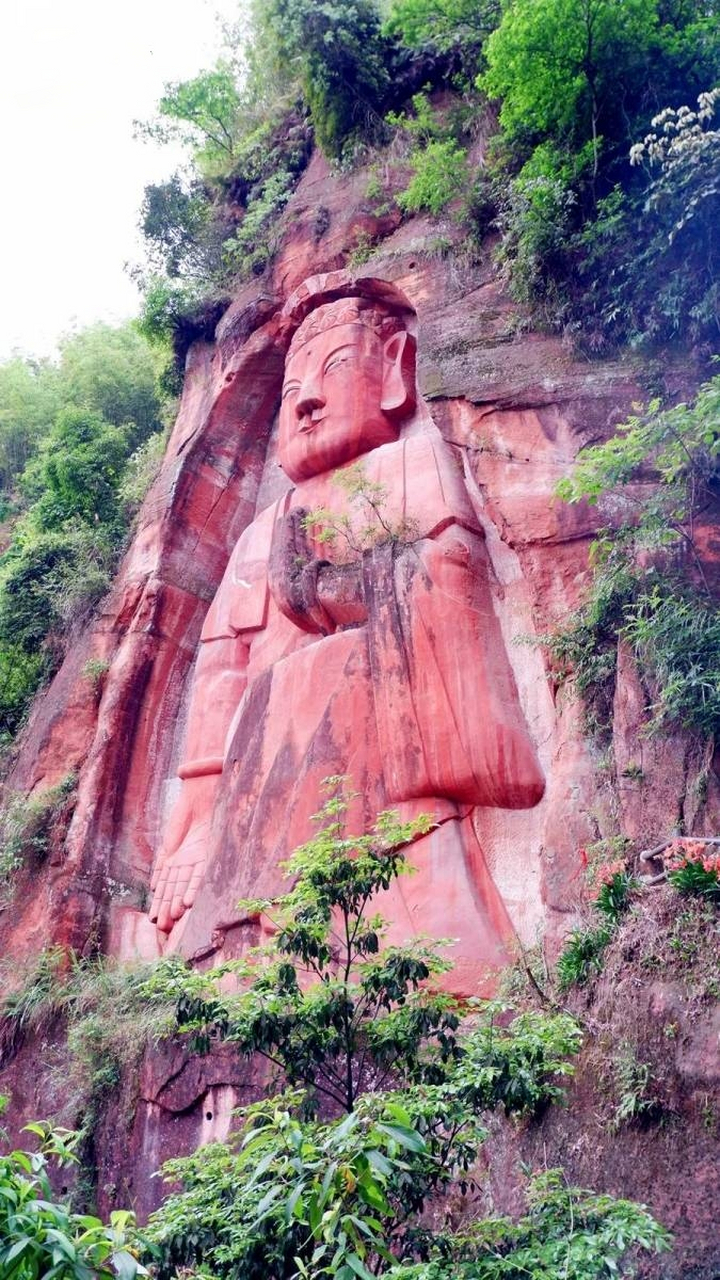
(310, 397)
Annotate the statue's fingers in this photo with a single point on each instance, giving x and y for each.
(157, 884)
(165, 920)
(182, 880)
(195, 882)
(158, 871)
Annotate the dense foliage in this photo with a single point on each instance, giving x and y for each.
(41, 1238)
(603, 180)
(659, 476)
(455, 25)
(360, 1029)
(590, 242)
(72, 435)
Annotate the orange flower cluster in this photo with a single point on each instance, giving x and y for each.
(607, 872)
(682, 852)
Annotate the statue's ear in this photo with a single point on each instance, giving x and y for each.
(398, 385)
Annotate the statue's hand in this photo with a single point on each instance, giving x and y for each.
(181, 865)
(293, 573)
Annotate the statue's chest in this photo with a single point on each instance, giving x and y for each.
(355, 507)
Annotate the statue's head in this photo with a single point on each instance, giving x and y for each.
(349, 383)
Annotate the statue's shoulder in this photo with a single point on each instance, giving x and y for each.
(241, 600)
(424, 479)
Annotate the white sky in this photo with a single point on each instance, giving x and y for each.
(74, 74)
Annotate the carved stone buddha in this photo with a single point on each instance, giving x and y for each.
(377, 657)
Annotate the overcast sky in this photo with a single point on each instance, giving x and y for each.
(74, 74)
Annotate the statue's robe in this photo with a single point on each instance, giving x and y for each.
(413, 703)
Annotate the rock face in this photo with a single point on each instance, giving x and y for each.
(468, 449)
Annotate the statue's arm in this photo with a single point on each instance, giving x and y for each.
(447, 708)
(219, 681)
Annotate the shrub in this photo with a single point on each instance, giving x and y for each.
(629, 252)
(141, 470)
(343, 59)
(649, 586)
(288, 1198)
(40, 1237)
(437, 159)
(567, 1234)
(582, 956)
(255, 240)
(439, 176)
(451, 25)
(26, 829)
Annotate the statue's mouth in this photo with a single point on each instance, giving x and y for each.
(309, 424)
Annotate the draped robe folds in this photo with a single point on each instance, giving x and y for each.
(413, 702)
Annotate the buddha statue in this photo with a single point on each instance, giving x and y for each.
(353, 635)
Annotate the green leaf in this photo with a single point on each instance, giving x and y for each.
(358, 1266)
(406, 1137)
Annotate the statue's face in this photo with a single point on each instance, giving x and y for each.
(332, 396)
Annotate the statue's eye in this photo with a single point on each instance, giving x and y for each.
(291, 389)
(335, 362)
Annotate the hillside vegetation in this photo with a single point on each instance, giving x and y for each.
(79, 440)
(601, 184)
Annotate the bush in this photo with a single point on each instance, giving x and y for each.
(649, 586)
(439, 176)
(460, 26)
(26, 828)
(256, 238)
(610, 253)
(345, 64)
(437, 159)
(40, 1237)
(677, 638)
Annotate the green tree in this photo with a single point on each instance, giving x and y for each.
(584, 240)
(342, 59)
(563, 68)
(183, 229)
(447, 24)
(366, 1011)
(83, 420)
(80, 469)
(29, 402)
(204, 113)
(113, 371)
